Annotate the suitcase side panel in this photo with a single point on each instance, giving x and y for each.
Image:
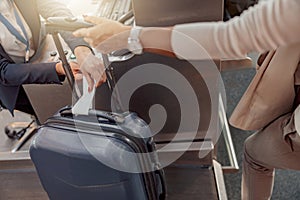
(67, 169)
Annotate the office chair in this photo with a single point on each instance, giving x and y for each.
(16, 130)
(21, 130)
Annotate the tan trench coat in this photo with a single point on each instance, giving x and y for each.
(271, 92)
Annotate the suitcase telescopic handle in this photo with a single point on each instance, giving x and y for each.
(53, 26)
(66, 65)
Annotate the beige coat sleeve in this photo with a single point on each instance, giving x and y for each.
(266, 26)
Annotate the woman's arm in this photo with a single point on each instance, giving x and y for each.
(265, 26)
(26, 73)
(38, 73)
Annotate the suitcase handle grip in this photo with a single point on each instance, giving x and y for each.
(116, 118)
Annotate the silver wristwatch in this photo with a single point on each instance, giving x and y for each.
(134, 45)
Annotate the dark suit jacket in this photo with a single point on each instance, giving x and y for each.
(12, 75)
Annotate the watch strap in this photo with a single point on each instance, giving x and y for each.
(134, 44)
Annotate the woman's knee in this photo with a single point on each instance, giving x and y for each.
(251, 160)
(249, 146)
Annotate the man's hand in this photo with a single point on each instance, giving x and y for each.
(75, 69)
(90, 66)
(106, 36)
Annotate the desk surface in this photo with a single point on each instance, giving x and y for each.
(182, 183)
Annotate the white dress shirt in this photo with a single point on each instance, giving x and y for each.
(13, 47)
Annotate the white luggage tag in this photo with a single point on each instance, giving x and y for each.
(85, 102)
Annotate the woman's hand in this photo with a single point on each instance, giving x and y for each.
(91, 66)
(106, 36)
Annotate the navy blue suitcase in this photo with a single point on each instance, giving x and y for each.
(78, 158)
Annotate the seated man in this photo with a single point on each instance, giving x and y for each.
(20, 38)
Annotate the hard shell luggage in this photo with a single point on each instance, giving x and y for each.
(101, 155)
(94, 157)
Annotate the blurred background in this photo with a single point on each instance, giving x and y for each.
(287, 184)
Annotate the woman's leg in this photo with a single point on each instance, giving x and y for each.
(275, 146)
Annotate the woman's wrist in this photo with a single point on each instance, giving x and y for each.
(157, 40)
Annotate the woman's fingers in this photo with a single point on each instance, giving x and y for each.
(78, 77)
(93, 35)
(89, 80)
(82, 32)
(102, 80)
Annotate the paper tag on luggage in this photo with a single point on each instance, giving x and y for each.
(85, 102)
